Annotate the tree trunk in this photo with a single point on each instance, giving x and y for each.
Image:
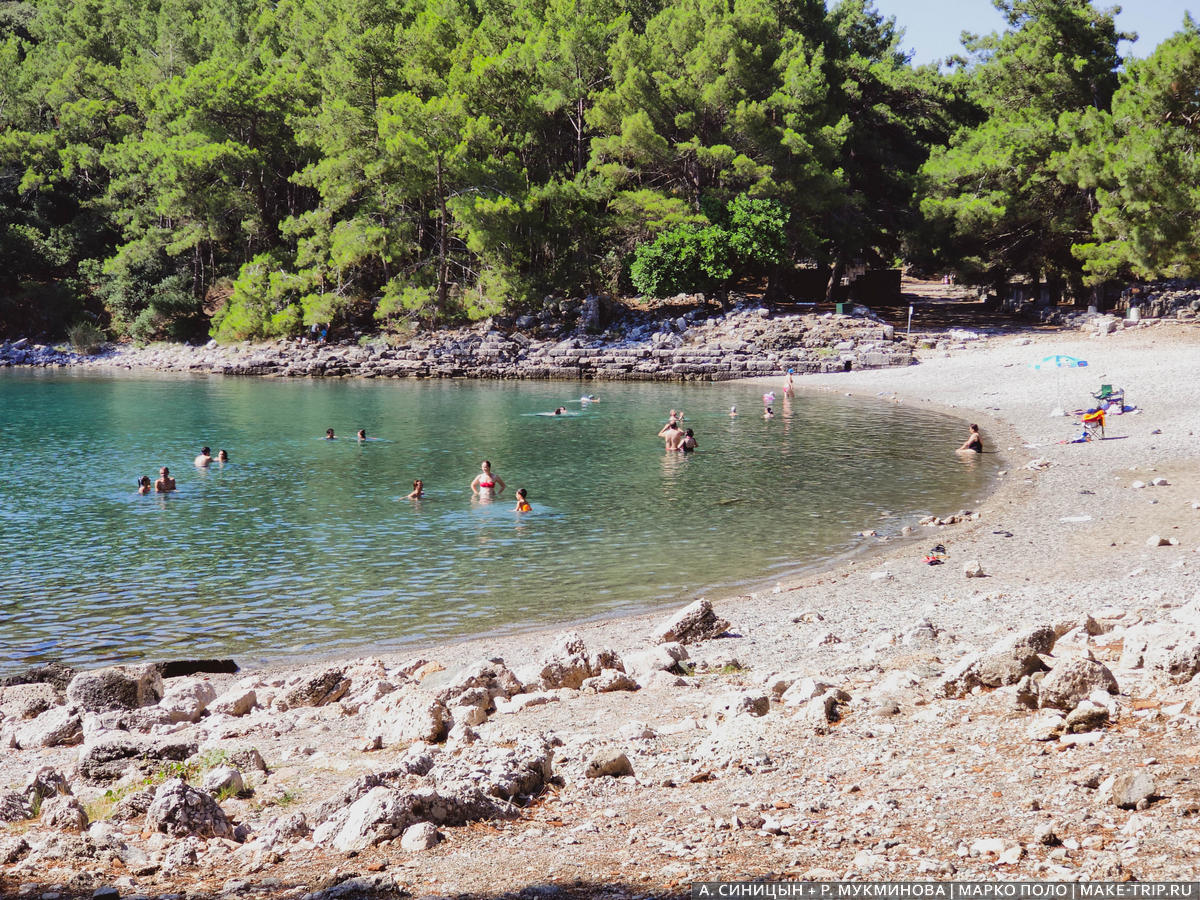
(443, 275)
(835, 277)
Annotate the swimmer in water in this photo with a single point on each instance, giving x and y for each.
(222, 456)
(769, 399)
(589, 398)
(672, 436)
(418, 490)
(688, 444)
(165, 483)
(329, 435)
(204, 459)
(732, 411)
(560, 410)
(973, 443)
(144, 485)
(768, 413)
(487, 484)
(362, 434)
(522, 502)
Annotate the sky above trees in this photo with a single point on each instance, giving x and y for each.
(932, 30)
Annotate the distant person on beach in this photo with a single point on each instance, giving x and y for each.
(418, 490)
(222, 456)
(688, 444)
(144, 485)
(487, 483)
(165, 483)
(205, 458)
(973, 443)
(362, 434)
(522, 502)
(329, 435)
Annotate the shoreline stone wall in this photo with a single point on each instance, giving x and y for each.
(743, 342)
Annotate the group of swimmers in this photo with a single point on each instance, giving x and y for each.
(330, 436)
(676, 437)
(166, 484)
(486, 486)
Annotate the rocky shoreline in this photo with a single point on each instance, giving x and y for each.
(746, 341)
(1027, 710)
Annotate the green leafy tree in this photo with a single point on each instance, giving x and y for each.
(1000, 189)
(1141, 161)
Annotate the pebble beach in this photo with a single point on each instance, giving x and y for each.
(1026, 710)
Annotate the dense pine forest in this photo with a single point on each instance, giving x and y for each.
(247, 168)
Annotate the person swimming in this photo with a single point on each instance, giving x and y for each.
(522, 502)
(204, 459)
(732, 411)
(329, 435)
(768, 413)
(769, 399)
(222, 456)
(362, 434)
(672, 436)
(165, 483)
(487, 483)
(589, 398)
(688, 444)
(560, 410)
(144, 485)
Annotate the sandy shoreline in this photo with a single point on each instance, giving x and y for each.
(824, 736)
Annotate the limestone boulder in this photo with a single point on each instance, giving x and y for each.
(1072, 680)
(186, 699)
(695, 622)
(58, 726)
(418, 837)
(324, 687)
(235, 702)
(180, 810)
(223, 778)
(1005, 662)
(26, 701)
(110, 756)
(407, 716)
(63, 814)
(608, 763)
(116, 687)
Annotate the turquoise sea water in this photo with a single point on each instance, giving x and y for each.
(300, 545)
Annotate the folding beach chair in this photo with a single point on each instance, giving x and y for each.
(1093, 424)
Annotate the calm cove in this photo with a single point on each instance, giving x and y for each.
(301, 546)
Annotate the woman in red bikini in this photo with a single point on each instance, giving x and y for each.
(487, 484)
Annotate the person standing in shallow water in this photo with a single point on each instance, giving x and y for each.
(165, 483)
(204, 459)
(144, 485)
(487, 484)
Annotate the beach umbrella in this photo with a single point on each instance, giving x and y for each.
(1058, 362)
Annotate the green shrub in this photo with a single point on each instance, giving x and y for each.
(85, 338)
(686, 258)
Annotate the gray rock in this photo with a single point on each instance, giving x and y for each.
(285, 829)
(63, 813)
(55, 727)
(45, 782)
(1181, 664)
(1005, 662)
(488, 679)
(744, 703)
(1132, 788)
(608, 762)
(186, 699)
(112, 754)
(1071, 680)
(12, 848)
(116, 687)
(223, 778)
(565, 664)
(235, 702)
(14, 807)
(246, 759)
(609, 680)
(180, 810)
(323, 688)
(695, 622)
(407, 716)
(1087, 716)
(25, 701)
(418, 837)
